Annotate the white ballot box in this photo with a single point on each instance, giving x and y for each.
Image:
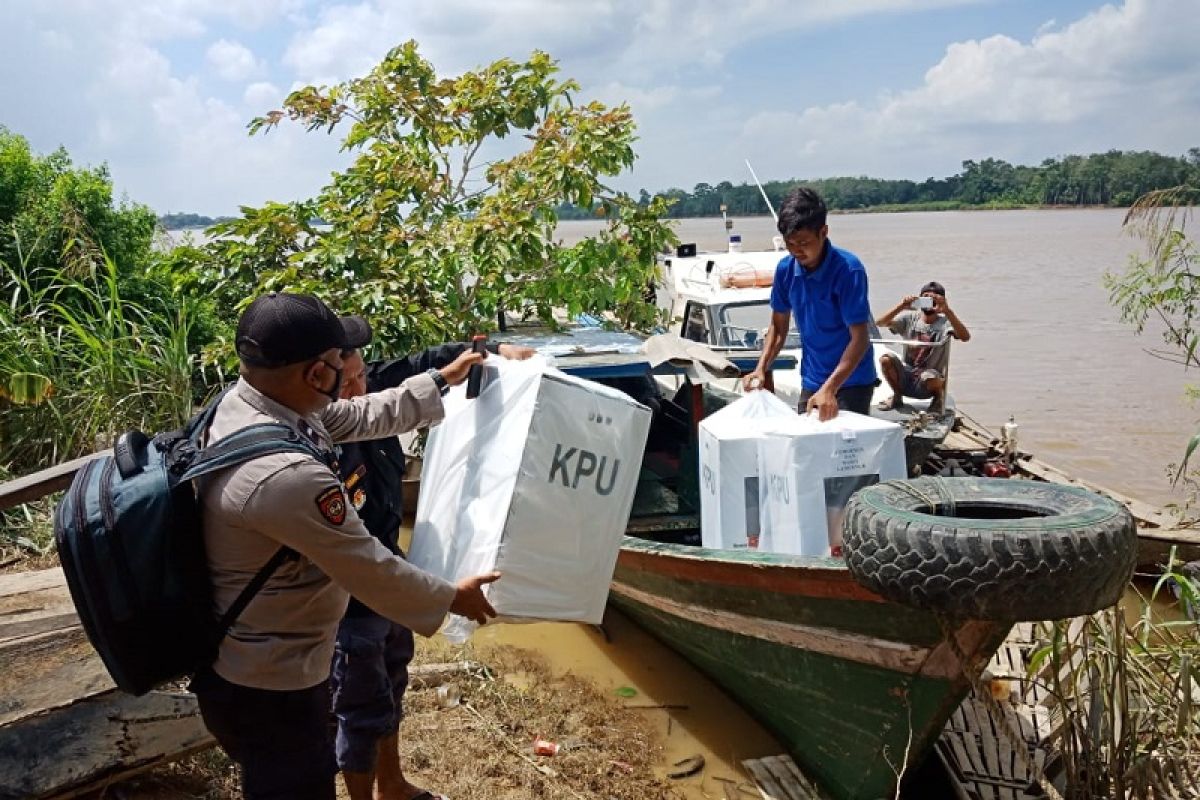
(729, 485)
(808, 470)
(534, 478)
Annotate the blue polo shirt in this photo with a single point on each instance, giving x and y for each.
(825, 302)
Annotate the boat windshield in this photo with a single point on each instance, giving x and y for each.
(744, 324)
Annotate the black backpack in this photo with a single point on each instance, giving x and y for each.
(131, 544)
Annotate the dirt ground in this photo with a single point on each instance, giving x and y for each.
(483, 746)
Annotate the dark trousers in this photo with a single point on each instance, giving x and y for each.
(369, 676)
(849, 398)
(280, 739)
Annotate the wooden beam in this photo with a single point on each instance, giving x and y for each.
(39, 484)
(97, 741)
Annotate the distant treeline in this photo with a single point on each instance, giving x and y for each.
(174, 222)
(1114, 178)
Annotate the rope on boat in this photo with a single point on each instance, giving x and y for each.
(944, 493)
(975, 422)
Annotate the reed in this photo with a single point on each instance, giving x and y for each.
(81, 364)
(1126, 683)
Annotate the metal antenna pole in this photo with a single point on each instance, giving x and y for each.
(763, 191)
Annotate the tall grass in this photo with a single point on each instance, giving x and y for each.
(80, 363)
(1128, 694)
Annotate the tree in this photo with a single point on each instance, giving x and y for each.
(427, 238)
(51, 211)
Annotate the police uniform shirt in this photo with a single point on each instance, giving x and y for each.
(284, 639)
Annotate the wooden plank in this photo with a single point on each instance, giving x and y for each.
(778, 778)
(763, 780)
(97, 741)
(1005, 762)
(973, 741)
(39, 484)
(800, 778)
(13, 584)
(1155, 546)
(33, 603)
(47, 671)
(784, 780)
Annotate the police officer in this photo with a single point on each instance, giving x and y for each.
(265, 698)
(370, 662)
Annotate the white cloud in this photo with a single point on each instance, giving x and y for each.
(615, 38)
(1126, 78)
(120, 82)
(639, 99)
(261, 96)
(233, 61)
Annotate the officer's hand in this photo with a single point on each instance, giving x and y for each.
(754, 380)
(456, 371)
(516, 352)
(469, 601)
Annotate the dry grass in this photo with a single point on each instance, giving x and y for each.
(482, 748)
(1128, 700)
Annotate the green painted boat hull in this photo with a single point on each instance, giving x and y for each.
(848, 681)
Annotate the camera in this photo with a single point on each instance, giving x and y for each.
(922, 303)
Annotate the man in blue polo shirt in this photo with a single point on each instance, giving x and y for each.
(825, 288)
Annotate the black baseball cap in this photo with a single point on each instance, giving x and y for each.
(279, 328)
(935, 287)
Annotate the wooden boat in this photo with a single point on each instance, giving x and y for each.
(1161, 536)
(857, 687)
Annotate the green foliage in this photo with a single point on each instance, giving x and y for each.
(446, 216)
(90, 364)
(51, 213)
(1114, 178)
(94, 342)
(1161, 288)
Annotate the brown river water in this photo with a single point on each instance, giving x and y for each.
(1046, 347)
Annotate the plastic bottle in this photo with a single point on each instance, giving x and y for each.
(1008, 436)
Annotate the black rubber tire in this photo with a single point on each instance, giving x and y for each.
(1067, 552)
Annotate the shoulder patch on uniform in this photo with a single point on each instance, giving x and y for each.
(332, 505)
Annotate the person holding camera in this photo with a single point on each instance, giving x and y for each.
(926, 317)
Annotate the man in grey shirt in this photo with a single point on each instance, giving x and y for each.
(922, 375)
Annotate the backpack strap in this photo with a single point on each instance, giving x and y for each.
(256, 583)
(197, 425)
(263, 439)
(251, 442)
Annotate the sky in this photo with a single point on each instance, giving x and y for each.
(161, 90)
